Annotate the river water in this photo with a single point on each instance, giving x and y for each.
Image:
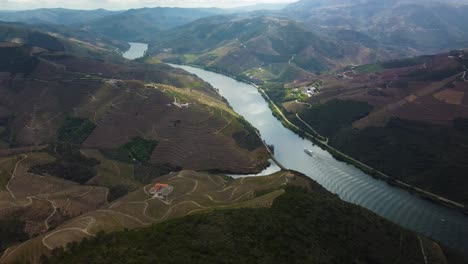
(137, 50)
(351, 184)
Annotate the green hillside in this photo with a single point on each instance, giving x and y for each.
(145, 24)
(440, 25)
(55, 38)
(237, 44)
(54, 16)
(270, 50)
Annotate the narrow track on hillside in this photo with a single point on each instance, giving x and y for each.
(54, 206)
(83, 230)
(13, 176)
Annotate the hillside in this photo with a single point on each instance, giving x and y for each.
(408, 117)
(249, 42)
(302, 226)
(142, 24)
(66, 212)
(262, 49)
(124, 101)
(55, 16)
(84, 35)
(419, 26)
(145, 24)
(63, 39)
(77, 133)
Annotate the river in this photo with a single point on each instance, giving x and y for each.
(137, 50)
(351, 184)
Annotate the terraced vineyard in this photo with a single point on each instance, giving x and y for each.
(112, 104)
(194, 192)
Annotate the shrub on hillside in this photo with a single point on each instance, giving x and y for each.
(75, 130)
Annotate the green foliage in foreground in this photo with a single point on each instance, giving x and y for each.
(11, 231)
(300, 227)
(137, 149)
(75, 130)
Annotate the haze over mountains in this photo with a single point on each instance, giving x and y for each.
(425, 26)
(413, 27)
(85, 133)
(57, 16)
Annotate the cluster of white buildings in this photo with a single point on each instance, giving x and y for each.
(308, 90)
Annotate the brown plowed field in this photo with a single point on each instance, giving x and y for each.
(126, 100)
(45, 201)
(187, 136)
(431, 92)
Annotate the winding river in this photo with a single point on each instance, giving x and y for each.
(351, 184)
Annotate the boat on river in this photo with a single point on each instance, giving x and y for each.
(309, 152)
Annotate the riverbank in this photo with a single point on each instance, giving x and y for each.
(322, 142)
(365, 168)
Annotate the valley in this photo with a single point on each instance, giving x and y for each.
(351, 184)
(313, 131)
(310, 70)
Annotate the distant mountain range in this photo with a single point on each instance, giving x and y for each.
(57, 38)
(58, 16)
(413, 27)
(424, 26)
(131, 25)
(314, 36)
(145, 24)
(239, 43)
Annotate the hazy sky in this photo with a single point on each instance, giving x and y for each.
(125, 4)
